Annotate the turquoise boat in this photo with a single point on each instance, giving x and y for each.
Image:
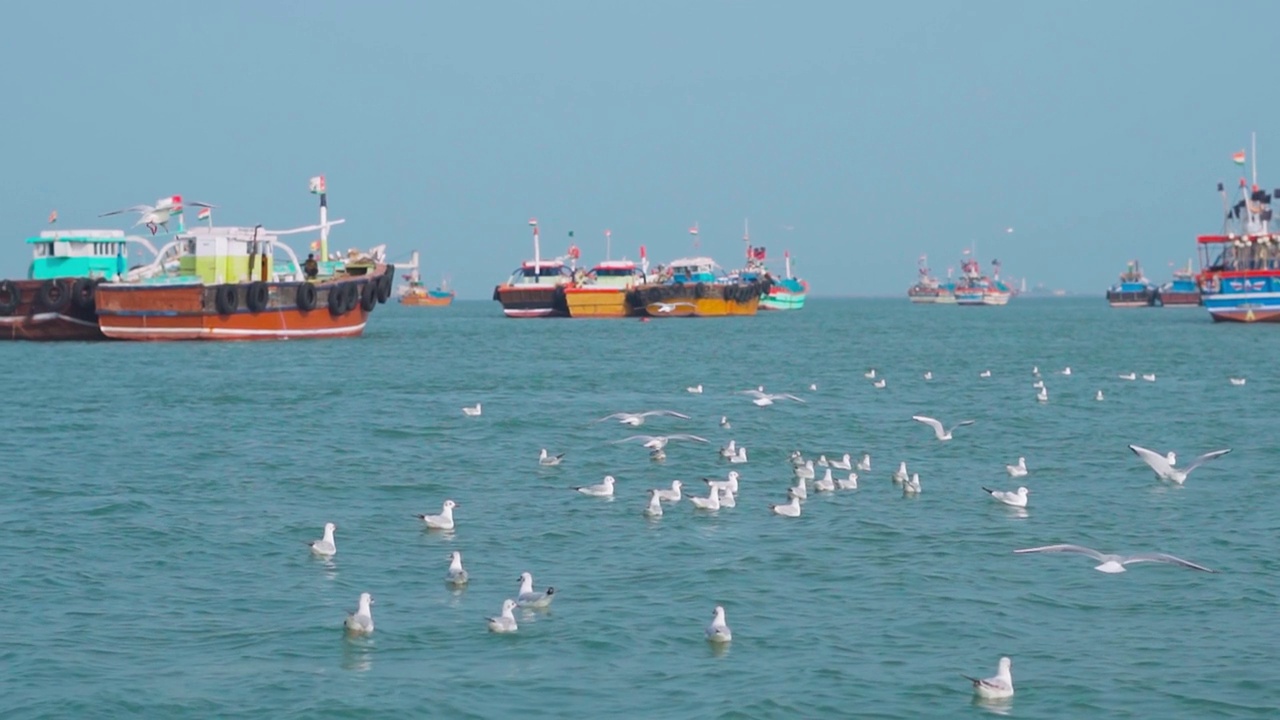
(784, 293)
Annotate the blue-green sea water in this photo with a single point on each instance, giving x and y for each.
(159, 498)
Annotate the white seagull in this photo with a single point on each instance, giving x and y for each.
(506, 622)
(325, 546)
(472, 411)
(710, 502)
(529, 598)
(730, 483)
(654, 508)
(928, 374)
(724, 422)
(158, 215)
(727, 497)
(658, 442)
(1098, 396)
(1066, 371)
(740, 456)
(912, 486)
(547, 459)
(360, 622)
(1149, 377)
(1035, 370)
(984, 374)
(602, 489)
(790, 508)
(844, 463)
(900, 475)
(1042, 395)
(718, 631)
(1128, 376)
(938, 430)
(870, 374)
(1111, 563)
(1163, 465)
(994, 688)
(849, 483)
(864, 465)
(637, 419)
(443, 521)
(1019, 470)
(729, 450)
(827, 483)
(1016, 499)
(666, 308)
(457, 574)
(1237, 381)
(696, 389)
(879, 384)
(764, 399)
(672, 495)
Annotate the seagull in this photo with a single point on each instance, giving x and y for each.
(1035, 371)
(654, 508)
(937, 426)
(800, 490)
(984, 374)
(443, 521)
(928, 374)
(658, 442)
(529, 598)
(696, 389)
(900, 475)
(813, 387)
(457, 575)
(864, 465)
(1066, 371)
(826, 483)
(912, 486)
(764, 399)
(879, 383)
(603, 489)
(1115, 563)
(1128, 376)
(549, 460)
(637, 419)
(1149, 377)
(718, 631)
(1042, 395)
(1019, 470)
(845, 463)
(325, 547)
(823, 461)
(472, 411)
(870, 374)
(790, 508)
(506, 622)
(1039, 384)
(805, 471)
(1163, 464)
(360, 622)
(729, 450)
(730, 483)
(710, 502)
(1016, 499)
(158, 215)
(666, 308)
(739, 457)
(672, 495)
(1098, 396)
(724, 422)
(1237, 381)
(849, 483)
(727, 497)
(994, 688)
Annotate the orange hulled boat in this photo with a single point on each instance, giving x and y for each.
(602, 292)
(416, 293)
(227, 283)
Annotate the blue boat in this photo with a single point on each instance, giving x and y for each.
(1133, 290)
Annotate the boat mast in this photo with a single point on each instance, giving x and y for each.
(414, 279)
(786, 254)
(608, 245)
(537, 252)
(746, 238)
(694, 232)
(1253, 155)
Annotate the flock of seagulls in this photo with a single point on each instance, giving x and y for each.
(823, 475)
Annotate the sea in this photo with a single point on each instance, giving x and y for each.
(160, 499)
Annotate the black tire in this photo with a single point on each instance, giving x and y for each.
(306, 298)
(226, 298)
(384, 287)
(10, 297)
(338, 299)
(369, 295)
(84, 292)
(53, 296)
(256, 296)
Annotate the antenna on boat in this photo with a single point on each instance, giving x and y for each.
(1253, 158)
(608, 245)
(537, 251)
(694, 232)
(746, 237)
(786, 254)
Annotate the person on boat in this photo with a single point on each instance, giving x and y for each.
(311, 268)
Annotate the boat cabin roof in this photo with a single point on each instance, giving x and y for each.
(77, 236)
(699, 262)
(1232, 237)
(614, 265)
(543, 265)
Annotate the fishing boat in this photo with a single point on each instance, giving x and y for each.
(602, 291)
(415, 292)
(697, 287)
(536, 288)
(1181, 291)
(784, 293)
(229, 283)
(974, 288)
(928, 290)
(1133, 289)
(57, 300)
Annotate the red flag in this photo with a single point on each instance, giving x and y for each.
(53, 217)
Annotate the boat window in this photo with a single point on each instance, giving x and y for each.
(614, 272)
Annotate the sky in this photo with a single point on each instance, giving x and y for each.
(859, 136)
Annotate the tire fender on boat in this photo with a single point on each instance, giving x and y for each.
(10, 297)
(257, 296)
(53, 296)
(226, 298)
(338, 299)
(386, 283)
(306, 297)
(369, 293)
(84, 292)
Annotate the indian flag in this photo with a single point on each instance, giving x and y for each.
(317, 185)
(1238, 158)
(203, 214)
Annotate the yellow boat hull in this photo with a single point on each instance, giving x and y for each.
(590, 302)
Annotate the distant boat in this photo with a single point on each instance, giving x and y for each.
(928, 289)
(1133, 290)
(416, 293)
(536, 288)
(783, 293)
(1181, 291)
(974, 288)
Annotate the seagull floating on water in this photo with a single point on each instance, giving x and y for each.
(696, 389)
(1066, 371)
(1163, 465)
(827, 483)
(672, 495)
(547, 459)
(637, 419)
(1149, 377)
(849, 483)
(1237, 381)
(473, 411)
(724, 422)
(870, 374)
(912, 486)
(740, 456)
(1042, 395)
(654, 508)
(900, 475)
(443, 521)
(730, 483)
(805, 471)
(938, 431)
(998, 687)
(1016, 499)
(710, 502)
(813, 387)
(529, 598)
(879, 384)
(360, 622)
(1035, 371)
(864, 465)
(790, 508)
(984, 374)
(1111, 563)
(1019, 470)
(718, 631)
(844, 463)
(928, 375)
(325, 546)
(602, 489)
(506, 622)
(457, 574)
(1098, 396)
(1128, 376)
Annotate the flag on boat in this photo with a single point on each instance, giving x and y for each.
(53, 217)
(694, 230)
(203, 214)
(315, 244)
(757, 253)
(317, 185)
(1238, 158)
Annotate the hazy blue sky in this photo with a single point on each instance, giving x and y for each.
(858, 135)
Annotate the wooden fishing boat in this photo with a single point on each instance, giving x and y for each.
(416, 293)
(690, 287)
(536, 288)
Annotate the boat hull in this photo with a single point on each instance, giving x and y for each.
(697, 300)
(1179, 299)
(786, 294)
(597, 302)
(1245, 307)
(33, 318)
(531, 301)
(191, 311)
